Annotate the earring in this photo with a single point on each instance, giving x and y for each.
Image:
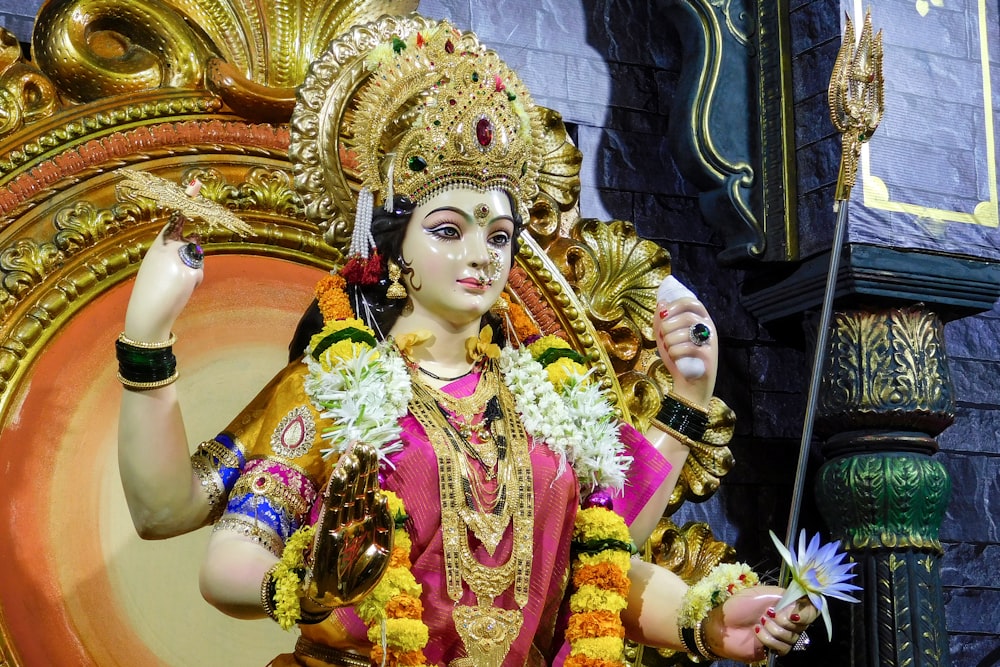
(501, 307)
(396, 289)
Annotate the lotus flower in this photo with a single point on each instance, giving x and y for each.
(818, 570)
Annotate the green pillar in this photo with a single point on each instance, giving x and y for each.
(886, 394)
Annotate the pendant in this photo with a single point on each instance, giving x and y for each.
(487, 633)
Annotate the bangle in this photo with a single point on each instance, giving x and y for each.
(267, 589)
(141, 386)
(145, 365)
(682, 418)
(148, 346)
(701, 644)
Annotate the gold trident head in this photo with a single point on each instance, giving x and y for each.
(856, 98)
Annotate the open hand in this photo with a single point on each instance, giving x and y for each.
(354, 534)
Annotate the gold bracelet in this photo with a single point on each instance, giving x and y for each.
(139, 386)
(673, 433)
(148, 346)
(267, 591)
(701, 644)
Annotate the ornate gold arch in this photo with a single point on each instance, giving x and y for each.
(205, 87)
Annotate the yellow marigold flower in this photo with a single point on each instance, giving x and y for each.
(562, 369)
(602, 648)
(401, 539)
(402, 634)
(591, 598)
(582, 660)
(340, 341)
(598, 523)
(545, 342)
(395, 581)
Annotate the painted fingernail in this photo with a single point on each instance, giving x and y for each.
(795, 618)
(770, 612)
(663, 313)
(763, 621)
(756, 629)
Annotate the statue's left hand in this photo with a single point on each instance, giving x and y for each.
(684, 329)
(354, 535)
(747, 625)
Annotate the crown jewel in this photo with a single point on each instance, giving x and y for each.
(441, 112)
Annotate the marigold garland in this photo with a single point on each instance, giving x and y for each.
(288, 575)
(332, 298)
(713, 589)
(395, 601)
(600, 577)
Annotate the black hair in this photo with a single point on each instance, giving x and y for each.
(370, 303)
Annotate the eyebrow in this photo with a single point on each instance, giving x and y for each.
(468, 216)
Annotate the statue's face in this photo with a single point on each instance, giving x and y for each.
(458, 246)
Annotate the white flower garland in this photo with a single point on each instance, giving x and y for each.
(577, 423)
(364, 397)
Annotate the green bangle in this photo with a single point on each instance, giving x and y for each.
(682, 417)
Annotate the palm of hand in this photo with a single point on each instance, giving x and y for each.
(353, 540)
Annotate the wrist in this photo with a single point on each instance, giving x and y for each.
(684, 420)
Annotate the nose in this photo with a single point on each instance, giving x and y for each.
(478, 251)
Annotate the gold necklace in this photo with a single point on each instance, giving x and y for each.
(487, 632)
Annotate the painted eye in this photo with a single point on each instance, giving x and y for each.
(445, 232)
(500, 239)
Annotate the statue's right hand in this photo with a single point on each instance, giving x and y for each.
(354, 534)
(167, 277)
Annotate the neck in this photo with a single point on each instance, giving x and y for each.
(444, 352)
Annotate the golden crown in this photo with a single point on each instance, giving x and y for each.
(411, 106)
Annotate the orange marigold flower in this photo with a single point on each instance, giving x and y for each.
(586, 661)
(523, 325)
(606, 576)
(399, 558)
(404, 606)
(594, 624)
(332, 298)
(394, 659)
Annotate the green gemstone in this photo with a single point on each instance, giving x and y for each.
(416, 163)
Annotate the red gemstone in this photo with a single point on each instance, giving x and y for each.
(484, 132)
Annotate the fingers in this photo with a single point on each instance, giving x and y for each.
(779, 631)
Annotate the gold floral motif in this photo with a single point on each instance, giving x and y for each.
(25, 264)
(25, 93)
(886, 368)
(616, 273)
(81, 225)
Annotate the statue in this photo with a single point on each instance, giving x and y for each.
(431, 477)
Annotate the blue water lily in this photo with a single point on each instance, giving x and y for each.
(817, 570)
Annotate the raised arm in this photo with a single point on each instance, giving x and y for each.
(164, 496)
(673, 322)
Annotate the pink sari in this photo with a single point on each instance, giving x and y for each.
(415, 480)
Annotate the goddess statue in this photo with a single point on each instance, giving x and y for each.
(431, 480)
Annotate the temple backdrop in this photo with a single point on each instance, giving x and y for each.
(612, 69)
